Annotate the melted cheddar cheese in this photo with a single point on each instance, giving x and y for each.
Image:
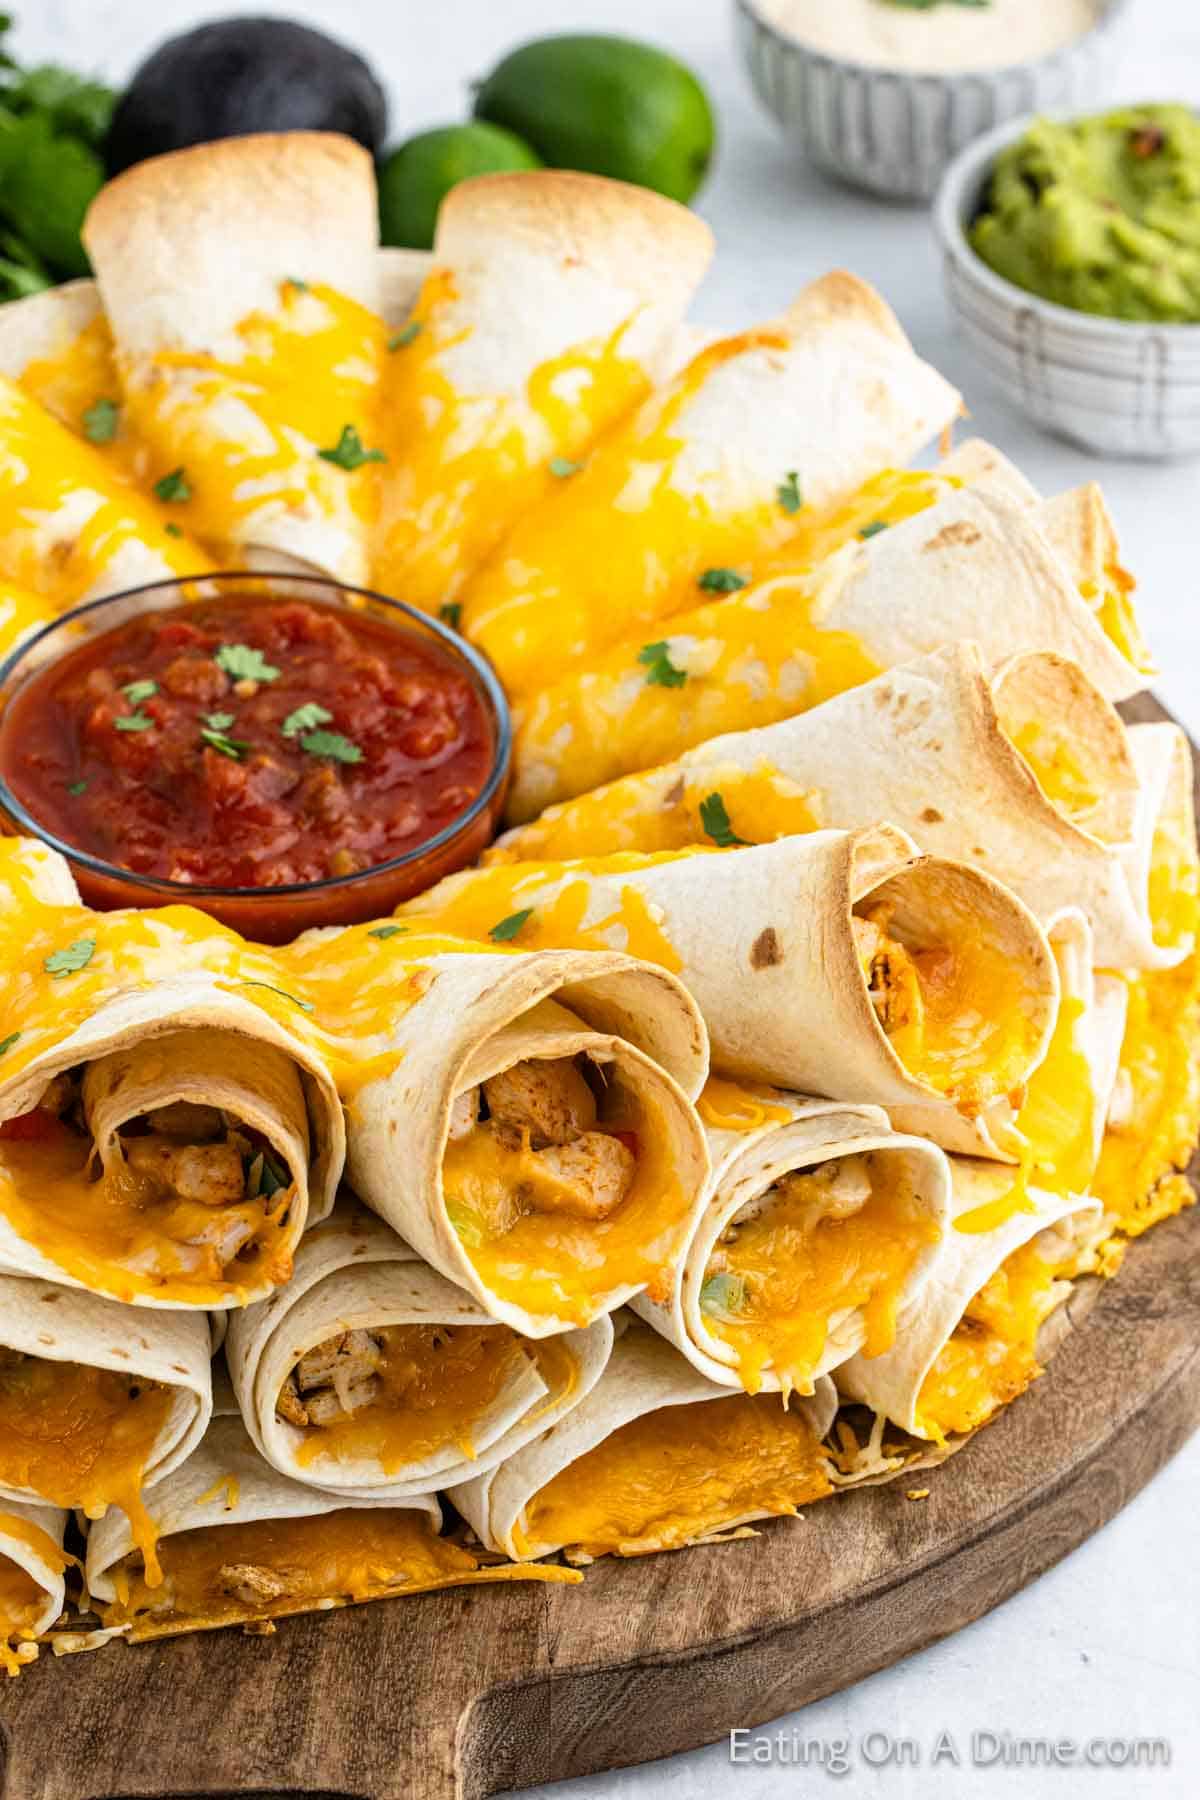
(678, 1474)
(780, 1280)
(435, 1384)
(22, 1598)
(732, 1106)
(83, 374)
(1057, 768)
(1140, 1179)
(297, 1565)
(1111, 599)
(76, 1436)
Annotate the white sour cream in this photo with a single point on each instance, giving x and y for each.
(939, 40)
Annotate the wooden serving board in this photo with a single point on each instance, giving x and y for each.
(478, 1691)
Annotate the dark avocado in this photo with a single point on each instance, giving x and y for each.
(242, 75)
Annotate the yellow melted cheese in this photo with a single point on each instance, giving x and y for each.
(436, 1382)
(70, 383)
(337, 1558)
(75, 1436)
(1111, 599)
(22, 1599)
(462, 466)
(1139, 1178)
(773, 1292)
(1056, 767)
(21, 611)
(731, 1106)
(677, 1474)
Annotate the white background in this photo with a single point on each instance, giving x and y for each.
(1108, 1643)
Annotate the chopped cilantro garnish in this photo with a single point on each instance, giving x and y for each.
(242, 663)
(137, 691)
(450, 614)
(76, 956)
(562, 466)
(173, 487)
(304, 718)
(509, 927)
(218, 721)
(100, 422)
(76, 788)
(660, 670)
(384, 932)
(172, 529)
(873, 529)
(8, 1042)
(405, 335)
(304, 1005)
(135, 721)
(715, 820)
(233, 748)
(722, 1295)
(721, 581)
(348, 452)
(331, 744)
(788, 492)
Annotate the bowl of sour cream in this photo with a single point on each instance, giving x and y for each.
(885, 93)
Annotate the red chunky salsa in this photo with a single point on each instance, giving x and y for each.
(248, 743)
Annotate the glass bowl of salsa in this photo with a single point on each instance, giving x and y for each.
(278, 750)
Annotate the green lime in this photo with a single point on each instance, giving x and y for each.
(415, 178)
(607, 105)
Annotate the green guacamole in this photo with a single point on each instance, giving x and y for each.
(1102, 214)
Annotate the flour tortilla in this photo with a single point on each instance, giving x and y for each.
(644, 1374)
(481, 1014)
(355, 1273)
(745, 1165)
(891, 1383)
(46, 1569)
(61, 1324)
(764, 939)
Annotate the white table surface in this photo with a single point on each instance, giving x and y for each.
(1108, 1643)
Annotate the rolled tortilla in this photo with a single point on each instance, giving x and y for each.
(370, 1375)
(1028, 773)
(550, 310)
(820, 1224)
(240, 1543)
(794, 639)
(969, 1344)
(840, 964)
(241, 280)
(97, 1402)
(32, 1587)
(713, 468)
(151, 1063)
(638, 1467)
(531, 1140)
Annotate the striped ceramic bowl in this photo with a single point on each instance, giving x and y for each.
(1117, 387)
(896, 133)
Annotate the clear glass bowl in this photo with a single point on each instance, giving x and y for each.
(271, 915)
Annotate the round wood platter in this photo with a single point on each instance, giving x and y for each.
(478, 1691)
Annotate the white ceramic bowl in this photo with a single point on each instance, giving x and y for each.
(895, 133)
(1117, 387)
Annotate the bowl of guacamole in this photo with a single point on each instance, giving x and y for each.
(1071, 252)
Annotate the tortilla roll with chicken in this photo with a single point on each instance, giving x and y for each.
(97, 1402)
(241, 281)
(969, 1344)
(533, 1137)
(1027, 772)
(714, 467)
(33, 1565)
(655, 1458)
(552, 306)
(240, 1544)
(841, 964)
(370, 1375)
(820, 1225)
(797, 638)
(166, 1133)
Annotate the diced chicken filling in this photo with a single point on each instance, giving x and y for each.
(334, 1381)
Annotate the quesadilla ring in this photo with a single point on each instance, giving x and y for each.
(968, 1346)
(1028, 773)
(164, 1137)
(551, 308)
(655, 1458)
(371, 1376)
(820, 1225)
(240, 1544)
(97, 1402)
(32, 1586)
(534, 1141)
(241, 282)
(848, 965)
(715, 466)
(795, 638)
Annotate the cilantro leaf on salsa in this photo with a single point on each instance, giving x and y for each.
(100, 422)
(135, 721)
(233, 748)
(76, 788)
(715, 820)
(508, 928)
(349, 453)
(660, 670)
(218, 721)
(242, 663)
(137, 691)
(331, 744)
(173, 488)
(304, 718)
(76, 956)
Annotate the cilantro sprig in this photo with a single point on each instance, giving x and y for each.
(383, 932)
(349, 452)
(714, 818)
(562, 468)
(331, 744)
(100, 422)
(243, 663)
(660, 670)
(137, 691)
(304, 718)
(173, 489)
(721, 581)
(506, 929)
(71, 959)
(406, 335)
(788, 492)
(217, 739)
(304, 1005)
